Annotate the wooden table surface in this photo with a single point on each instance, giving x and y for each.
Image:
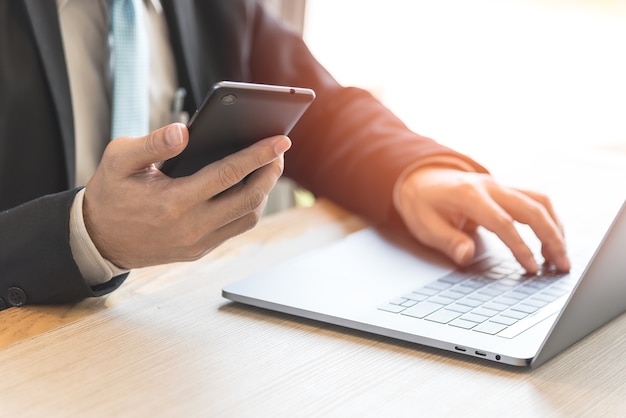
(167, 344)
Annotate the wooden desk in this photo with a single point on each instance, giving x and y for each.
(167, 344)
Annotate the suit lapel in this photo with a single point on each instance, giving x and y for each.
(45, 24)
(181, 18)
(193, 69)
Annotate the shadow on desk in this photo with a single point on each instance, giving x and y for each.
(323, 329)
(587, 374)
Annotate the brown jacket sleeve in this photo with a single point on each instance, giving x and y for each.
(348, 146)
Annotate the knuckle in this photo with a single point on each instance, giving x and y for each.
(258, 159)
(467, 190)
(167, 210)
(536, 211)
(228, 174)
(504, 221)
(169, 215)
(196, 252)
(150, 145)
(191, 244)
(251, 205)
(279, 167)
(542, 198)
(250, 220)
(254, 199)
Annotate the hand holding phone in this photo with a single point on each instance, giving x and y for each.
(233, 116)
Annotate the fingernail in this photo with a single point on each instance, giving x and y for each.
(282, 146)
(564, 263)
(461, 253)
(533, 266)
(174, 136)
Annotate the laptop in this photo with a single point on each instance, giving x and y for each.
(385, 283)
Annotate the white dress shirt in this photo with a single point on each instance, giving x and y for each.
(85, 32)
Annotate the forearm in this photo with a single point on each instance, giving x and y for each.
(361, 153)
(348, 146)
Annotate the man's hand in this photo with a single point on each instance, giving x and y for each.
(440, 206)
(137, 216)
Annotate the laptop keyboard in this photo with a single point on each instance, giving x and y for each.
(494, 297)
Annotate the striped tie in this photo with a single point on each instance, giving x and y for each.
(130, 69)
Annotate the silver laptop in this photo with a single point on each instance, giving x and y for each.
(387, 284)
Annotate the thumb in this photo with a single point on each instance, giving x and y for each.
(452, 242)
(159, 145)
(462, 251)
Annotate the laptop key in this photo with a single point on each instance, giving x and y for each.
(480, 296)
(416, 297)
(524, 308)
(422, 309)
(474, 318)
(408, 303)
(443, 316)
(463, 289)
(451, 295)
(426, 291)
(461, 323)
(514, 294)
(388, 307)
(438, 285)
(489, 327)
(490, 292)
(459, 308)
(485, 312)
(453, 278)
(495, 306)
(537, 303)
(505, 320)
(515, 314)
(470, 302)
(503, 300)
(441, 300)
(398, 301)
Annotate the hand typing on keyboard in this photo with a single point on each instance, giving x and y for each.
(441, 206)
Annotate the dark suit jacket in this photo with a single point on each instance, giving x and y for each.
(347, 147)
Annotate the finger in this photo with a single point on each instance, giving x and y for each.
(131, 154)
(487, 212)
(540, 216)
(545, 201)
(215, 237)
(241, 200)
(221, 175)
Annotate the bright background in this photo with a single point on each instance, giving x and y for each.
(503, 81)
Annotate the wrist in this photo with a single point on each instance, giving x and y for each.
(94, 268)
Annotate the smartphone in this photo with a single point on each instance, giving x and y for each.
(233, 116)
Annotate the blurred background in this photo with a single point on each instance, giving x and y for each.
(516, 84)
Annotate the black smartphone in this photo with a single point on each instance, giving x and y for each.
(233, 116)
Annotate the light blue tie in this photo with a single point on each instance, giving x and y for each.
(130, 69)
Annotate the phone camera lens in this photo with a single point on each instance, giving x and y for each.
(229, 99)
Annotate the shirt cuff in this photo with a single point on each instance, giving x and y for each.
(94, 268)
